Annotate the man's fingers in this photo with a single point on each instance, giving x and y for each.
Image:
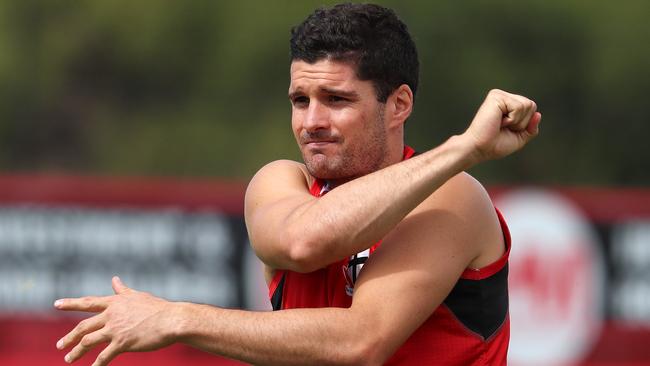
(107, 355)
(533, 125)
(84, 327)
(531, 130)
(93, 304)
(529, 109)
(88, 342)
(118, 286)
(514, 111)
(520, 112)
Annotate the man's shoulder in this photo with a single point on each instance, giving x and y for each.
(463, 192)
(465, 198)
(279, 170)
(461, 211)
(278, 179)
(282, 165)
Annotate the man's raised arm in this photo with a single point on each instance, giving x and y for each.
(290, 229)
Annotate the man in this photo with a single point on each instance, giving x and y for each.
(432, 291)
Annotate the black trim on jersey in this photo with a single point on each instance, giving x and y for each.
(276, 299)
(481, 305)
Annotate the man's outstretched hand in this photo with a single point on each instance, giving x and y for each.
(129, 321)
(504, 123)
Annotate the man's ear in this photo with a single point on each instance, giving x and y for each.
(400, 105)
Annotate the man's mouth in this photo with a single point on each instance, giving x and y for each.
(319, 143)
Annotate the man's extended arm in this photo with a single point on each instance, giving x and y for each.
(399, 287)
(290, 229)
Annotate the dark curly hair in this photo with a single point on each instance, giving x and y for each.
(370, 36)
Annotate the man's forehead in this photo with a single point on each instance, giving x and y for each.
(324, 70)
(327, 75)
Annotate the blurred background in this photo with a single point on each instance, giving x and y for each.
(128, 131)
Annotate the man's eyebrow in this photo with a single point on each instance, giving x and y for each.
(340, 92)
(295, 93)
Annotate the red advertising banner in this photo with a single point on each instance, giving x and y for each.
(579, 270)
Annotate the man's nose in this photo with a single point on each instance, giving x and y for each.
(317, 117)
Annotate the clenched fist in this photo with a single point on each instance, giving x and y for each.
(504, 123)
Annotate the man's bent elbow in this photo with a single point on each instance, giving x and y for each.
(303, 257)
(306, 250)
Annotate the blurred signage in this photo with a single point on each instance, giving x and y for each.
(556, 279)
(630, 256)
(49, 252)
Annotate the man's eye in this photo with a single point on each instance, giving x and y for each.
(336, 99)
(300, 101)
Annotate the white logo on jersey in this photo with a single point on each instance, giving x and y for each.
(352, 269)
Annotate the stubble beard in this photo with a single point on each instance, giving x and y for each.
(352, 161)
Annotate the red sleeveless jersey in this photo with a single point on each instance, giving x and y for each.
(470, 327)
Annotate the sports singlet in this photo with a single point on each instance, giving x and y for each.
(470, 327)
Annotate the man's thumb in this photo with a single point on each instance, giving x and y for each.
(533, 125)
(118, 286)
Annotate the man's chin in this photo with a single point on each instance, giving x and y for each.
(323, 171)
(320, 173)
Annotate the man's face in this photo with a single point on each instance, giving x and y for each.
(336, 120)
